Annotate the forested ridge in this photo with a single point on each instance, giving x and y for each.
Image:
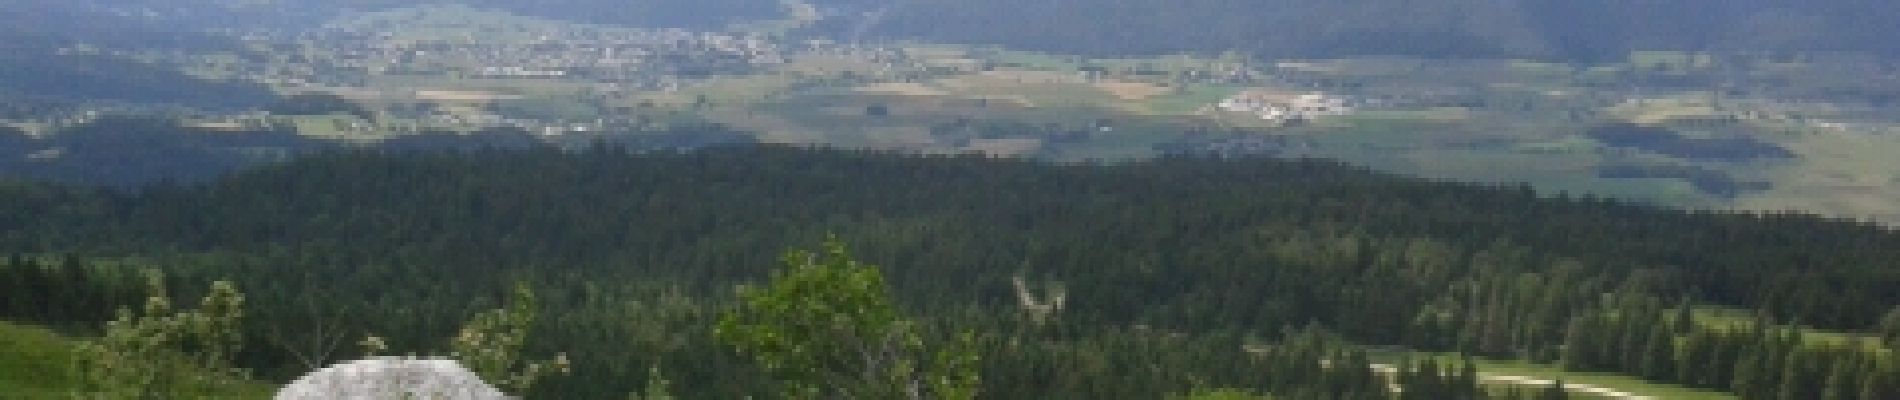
(1166, 267)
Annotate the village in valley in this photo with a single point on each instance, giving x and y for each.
(1810, 131)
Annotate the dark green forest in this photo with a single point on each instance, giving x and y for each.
(1167, 268)
(1169, 276)
(130, 152)
(32, 71)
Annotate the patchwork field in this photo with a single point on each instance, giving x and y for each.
(1502, 121)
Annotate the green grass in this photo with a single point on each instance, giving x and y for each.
(36, 363)
(1623, 383)
(1127, 142)
(1038, 61)
(1190, 100)
(1059, 95)
(1723, 318)
(1633, 385)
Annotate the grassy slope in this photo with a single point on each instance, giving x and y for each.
(1625, 383)
(35, 363)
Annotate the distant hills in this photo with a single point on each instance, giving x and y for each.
(1553, 29)
(32, 67)
(46, 75)
(109, 23)
(1545, 29)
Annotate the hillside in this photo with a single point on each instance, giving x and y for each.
(34, 363)
(46, 76)
(1211, 248)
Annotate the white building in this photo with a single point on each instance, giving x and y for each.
(1283, 107)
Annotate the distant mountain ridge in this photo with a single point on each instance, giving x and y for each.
(1553, 29)
(1544, 29)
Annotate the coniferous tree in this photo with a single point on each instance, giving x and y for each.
(1843, 379)
(1468, 386)
(1749, 380)
(36, 291)
(1882, 381)
(73, 301)
(1698, 355)
(12, 287)
(1251, 245)
(1580, 344)
(1659, 353)
(1684, 322)
(1803, 374)
(1428, 382)
(1633, 325)
(1890, 328)
(1728, 353)
(1554, 392)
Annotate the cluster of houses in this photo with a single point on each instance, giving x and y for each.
(1287, 108)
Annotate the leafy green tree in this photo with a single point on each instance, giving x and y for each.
(162, 354)
(490, 345)
(827, 328)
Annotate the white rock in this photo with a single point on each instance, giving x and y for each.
(391, 378)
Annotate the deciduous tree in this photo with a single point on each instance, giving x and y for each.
(827, 327)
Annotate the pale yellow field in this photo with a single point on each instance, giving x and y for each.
(1132, 91)
(1838, 174)
(770, 128)
(1012, 147)
(902, 88)
(462, 95)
